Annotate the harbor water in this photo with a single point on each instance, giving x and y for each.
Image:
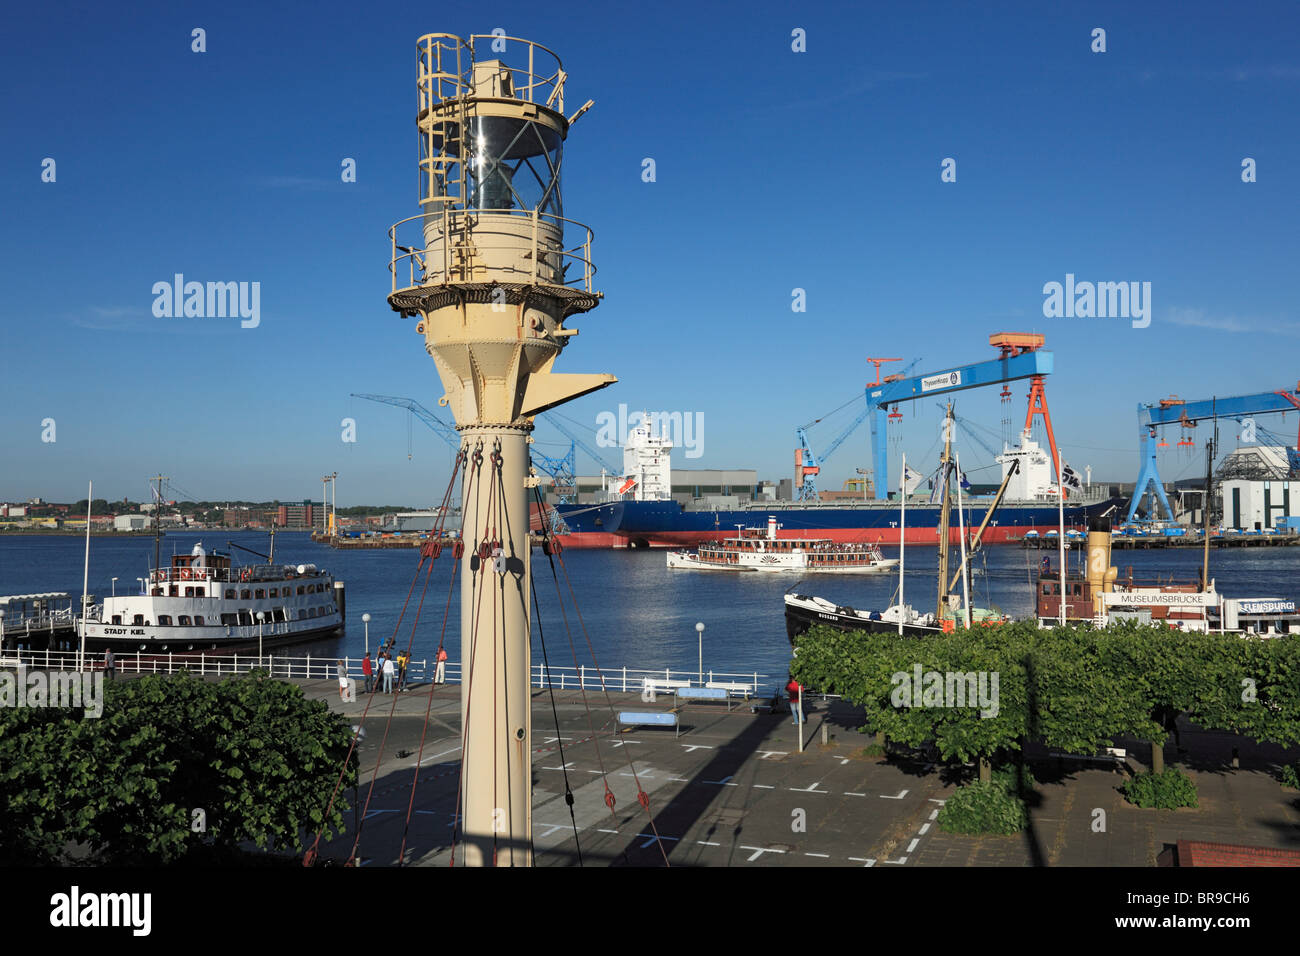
(636, 612)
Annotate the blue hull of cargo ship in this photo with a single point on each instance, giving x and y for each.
(668, 523)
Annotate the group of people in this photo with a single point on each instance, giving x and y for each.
(390, 667)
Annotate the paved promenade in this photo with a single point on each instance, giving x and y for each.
(733, 790)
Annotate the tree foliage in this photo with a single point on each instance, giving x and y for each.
(252, 754)
(1070, 688)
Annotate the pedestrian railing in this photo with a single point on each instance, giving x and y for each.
(311, 667)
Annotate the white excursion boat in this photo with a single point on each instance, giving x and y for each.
(202, 602)
(755, 549)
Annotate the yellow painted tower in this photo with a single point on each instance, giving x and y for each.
(492, 269)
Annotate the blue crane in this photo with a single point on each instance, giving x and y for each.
(562, 470)
(1176, 411)
(553, 420)
(806, 475)
(1022, 357)
(444, 431)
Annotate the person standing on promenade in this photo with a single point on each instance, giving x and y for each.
(440, 675)
(402, 658)
(389, 671)
(368, 672)
(792, 690)
(343, 680)
(110, 664)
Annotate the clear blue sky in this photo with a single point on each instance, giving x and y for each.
(775, 170)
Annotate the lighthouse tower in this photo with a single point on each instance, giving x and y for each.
(492, 270)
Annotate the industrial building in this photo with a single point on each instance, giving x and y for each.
(1257, 489)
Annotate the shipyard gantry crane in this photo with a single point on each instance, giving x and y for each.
(1176, 411)
(1022, 356)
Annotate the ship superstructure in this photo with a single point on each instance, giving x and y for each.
(203, 602)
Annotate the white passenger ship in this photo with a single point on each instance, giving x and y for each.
(202, 602)
(754, 549)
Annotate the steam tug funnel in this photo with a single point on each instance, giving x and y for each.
(1101, 576)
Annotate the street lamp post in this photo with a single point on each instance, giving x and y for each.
(260, 616)
(365, 619)
(114, 587)
(699, 629)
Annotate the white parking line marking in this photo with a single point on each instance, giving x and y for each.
(603, 830)
(758, 851)
(940, 802)
(824, 856)
(812, 789)
(552, 827)
(925, 828)
(763, 786)
(850, 793)
(721, 783)
(436, 756)
(862, 859)
(620, 743)
(901, 794)
(551, 740)
(691, 748)
(707, 843)
(769, 753)
(679, 779)
(567, 766)
(911, 847)
(899, 862)
(843, 761)
(934, 814)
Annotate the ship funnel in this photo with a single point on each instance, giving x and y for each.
(1100, 574)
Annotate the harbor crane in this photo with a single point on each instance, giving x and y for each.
(562, 469)
(1022, 356)
(1186, 414)
(807, 465)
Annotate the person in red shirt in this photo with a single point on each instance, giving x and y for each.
(440, 674)
(368, 671)
(792, 691)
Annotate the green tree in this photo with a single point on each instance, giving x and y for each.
(253, 754)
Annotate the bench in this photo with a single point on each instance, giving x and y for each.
(655, 684)
(746, 690)
(649, 718)
(705, 693)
